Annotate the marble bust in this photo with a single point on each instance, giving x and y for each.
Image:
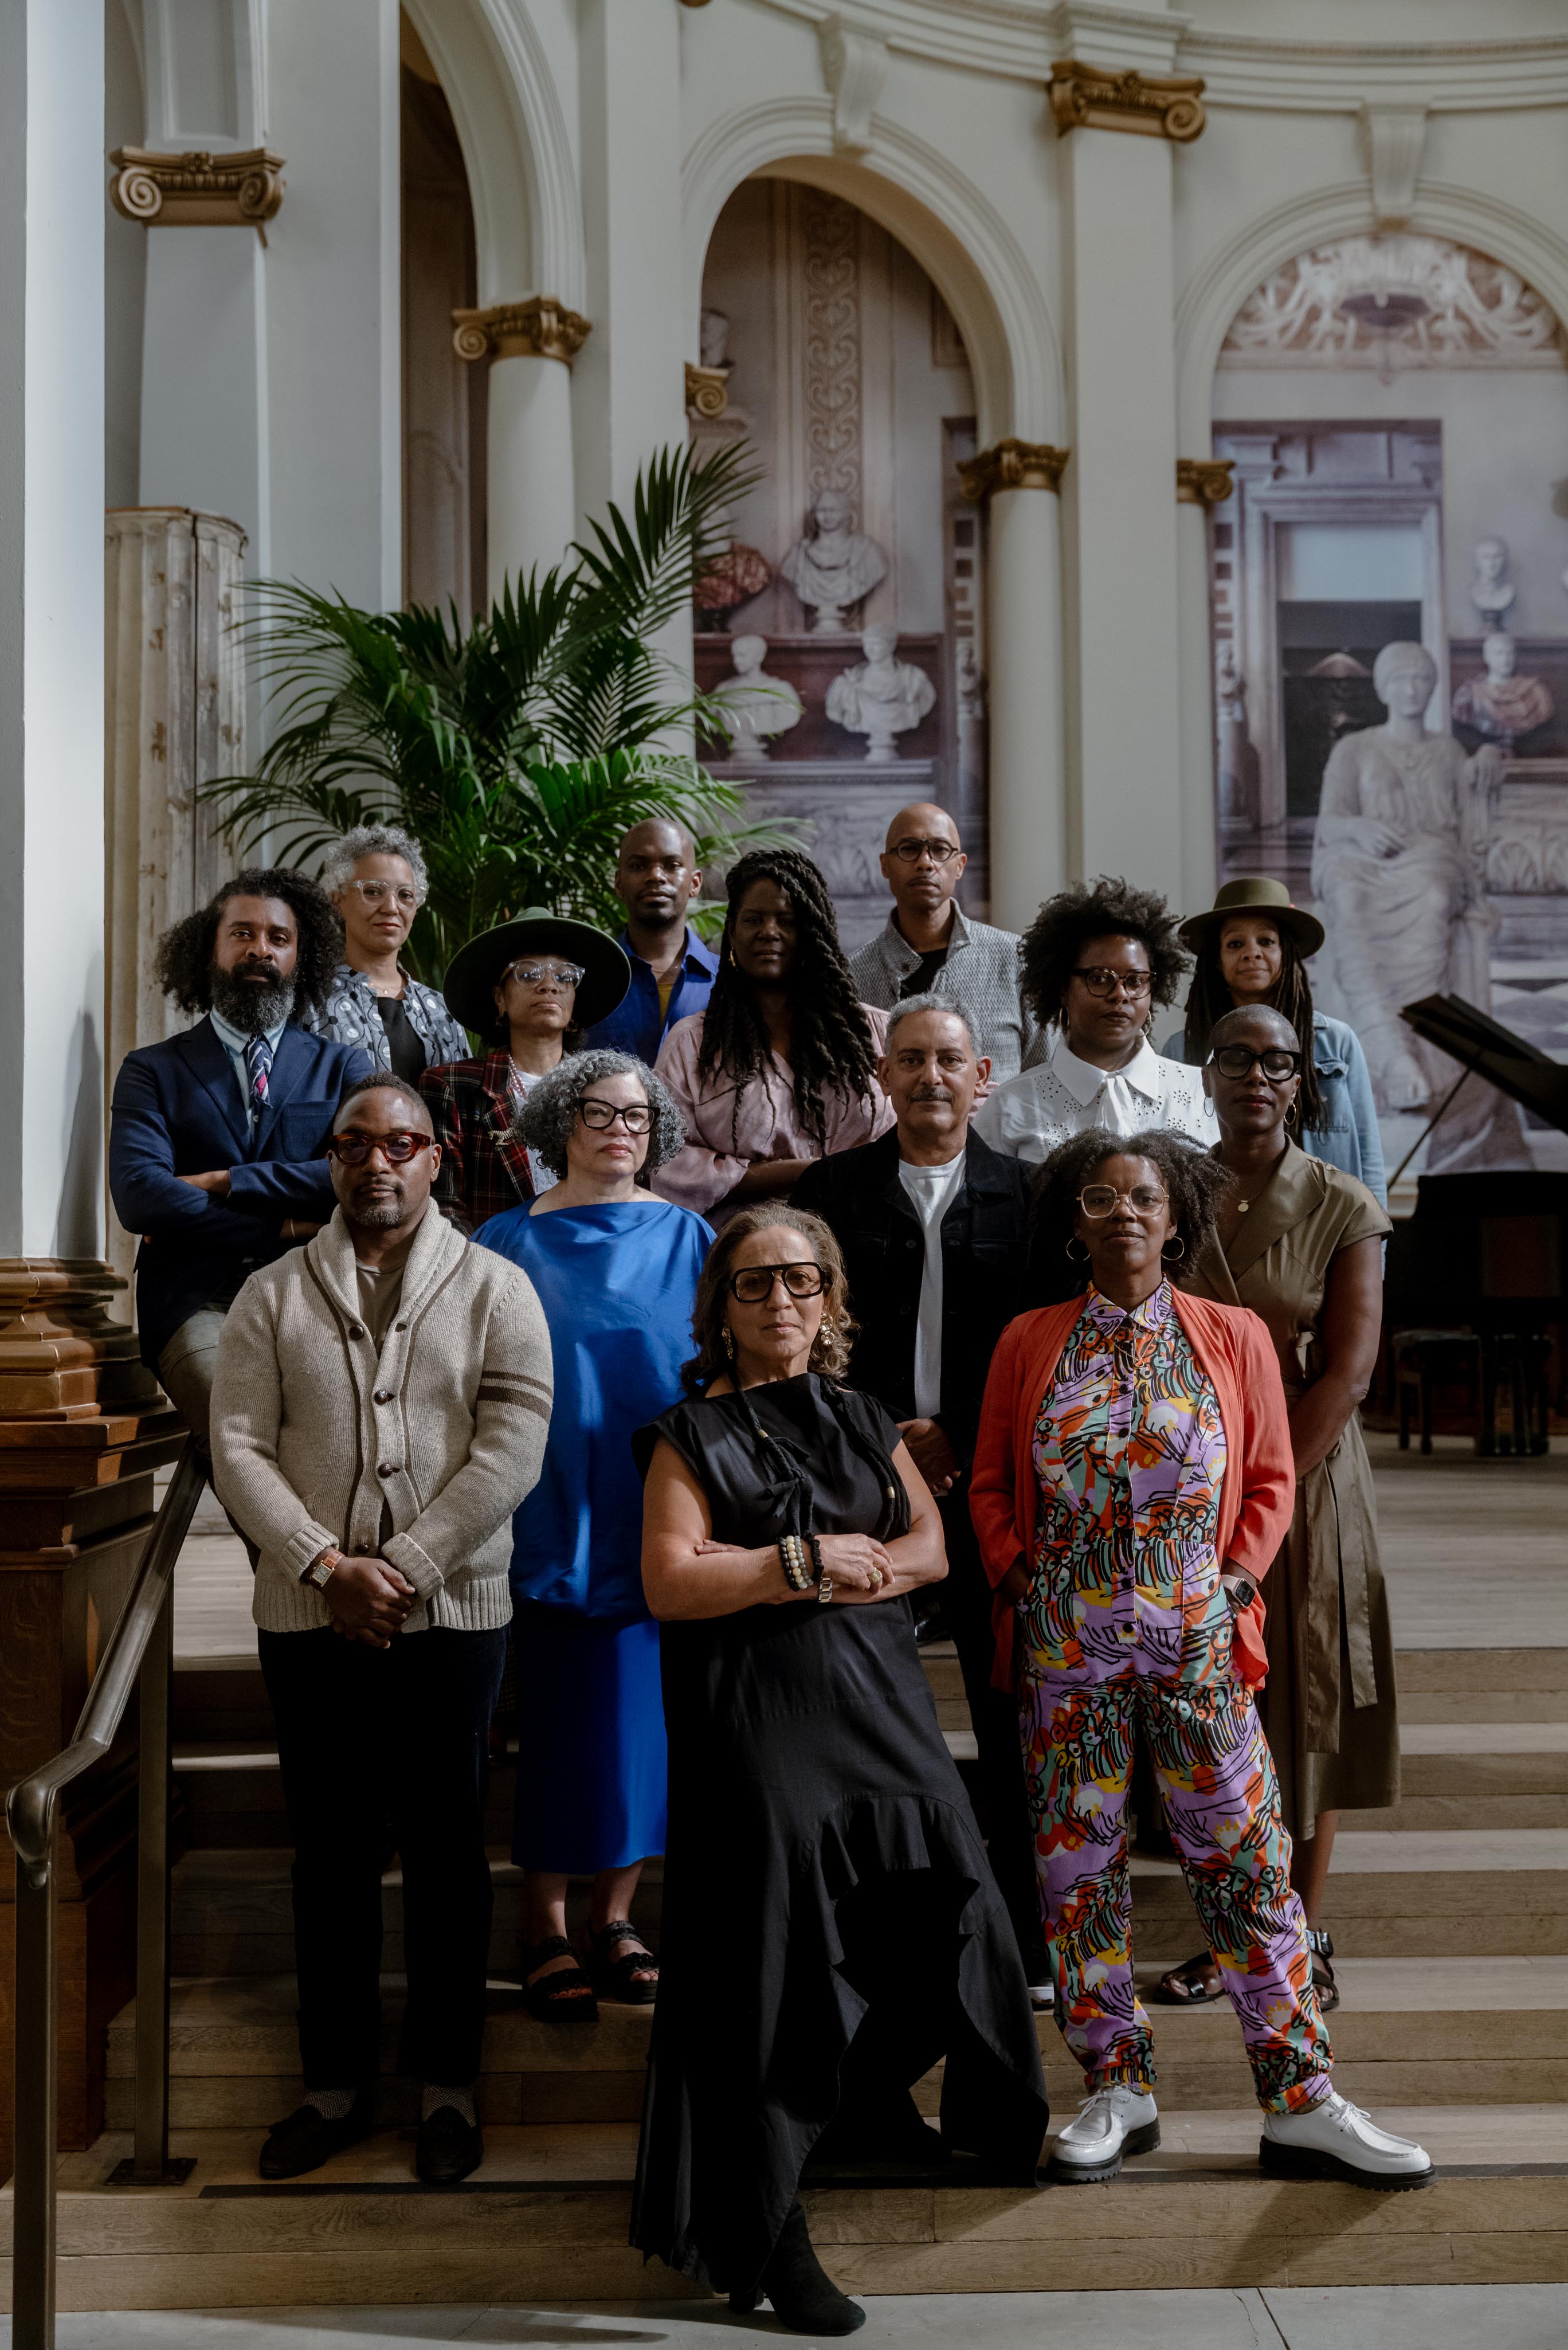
(1399, 871)
(834, 566)
(713, 339)
(753, 706)
(881, 697)
(1491, 590)
(1500, 704)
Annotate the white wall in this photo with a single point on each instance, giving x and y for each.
(125, 267)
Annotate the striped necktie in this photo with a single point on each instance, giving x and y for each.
(258, 1061)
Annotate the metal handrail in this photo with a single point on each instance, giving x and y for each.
(139, 1651)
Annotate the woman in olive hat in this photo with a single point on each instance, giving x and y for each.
(1251, 947)
(529, 987)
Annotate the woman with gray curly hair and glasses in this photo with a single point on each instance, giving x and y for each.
(376, 877)
(616, 1271)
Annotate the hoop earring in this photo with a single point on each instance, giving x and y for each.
(1083, 1257)
(1179, 1251)
(1293, 1113)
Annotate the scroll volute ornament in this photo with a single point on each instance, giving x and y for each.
(539, 328)
(197, 190)
(1011, 465)
(707, 390)
(1097, 97)
(1203, 480)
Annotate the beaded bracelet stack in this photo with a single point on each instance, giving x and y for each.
(795, 1558)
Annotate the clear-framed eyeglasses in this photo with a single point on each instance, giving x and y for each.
(636, 1117)
(533, 974)
(1097, 1199)
(941, 852)
(401, 894)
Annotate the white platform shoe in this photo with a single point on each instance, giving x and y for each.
(1113, 2123)
(1335, 2140)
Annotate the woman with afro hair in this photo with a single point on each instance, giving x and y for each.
(1099, 961)
(781, 1068)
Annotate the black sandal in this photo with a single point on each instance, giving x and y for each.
(614, 1978)
(558, 1998)
(1321, 1944)
(1183, 1986)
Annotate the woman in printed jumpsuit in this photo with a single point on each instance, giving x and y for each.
(1132, 1481)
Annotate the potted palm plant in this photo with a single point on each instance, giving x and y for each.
(517, 751)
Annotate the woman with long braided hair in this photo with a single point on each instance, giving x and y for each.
(781, 1068)
(1252, 949)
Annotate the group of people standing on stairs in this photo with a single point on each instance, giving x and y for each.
(666, 1359)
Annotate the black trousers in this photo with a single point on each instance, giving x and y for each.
(364, 1736)
(1003, 1800)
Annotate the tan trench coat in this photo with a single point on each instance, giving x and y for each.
(1329, 1709)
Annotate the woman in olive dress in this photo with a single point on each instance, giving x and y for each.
(1300, 1243)
(831, 1927)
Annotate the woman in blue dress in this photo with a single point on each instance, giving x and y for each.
(616, 1272)
(1251, 948)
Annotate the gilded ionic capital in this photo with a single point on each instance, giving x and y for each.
(707, 391)
(1011, 465)
(1203, 480)
(539, 328)
(197, 190)
(1098, 98)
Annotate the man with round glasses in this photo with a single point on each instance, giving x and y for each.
(379, 1409)
(1098, 961)
(930, 946)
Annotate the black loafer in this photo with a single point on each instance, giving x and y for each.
(448, 2148)
(305, 2139)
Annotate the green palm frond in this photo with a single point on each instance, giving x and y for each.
(517, 751)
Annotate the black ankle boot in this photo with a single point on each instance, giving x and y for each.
(804, 2296)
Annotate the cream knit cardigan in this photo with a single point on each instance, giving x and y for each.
(314, 1432)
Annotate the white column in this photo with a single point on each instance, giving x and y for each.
(1119, 489)
(1195, 652)
(1029, 854)
(530, 509)
(51, 627)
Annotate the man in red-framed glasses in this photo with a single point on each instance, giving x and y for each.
(379, 1410)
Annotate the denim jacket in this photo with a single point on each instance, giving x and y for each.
(1348, 1138)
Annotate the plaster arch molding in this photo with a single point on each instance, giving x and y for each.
(1463, 216)
(516, 147)
(913, 192)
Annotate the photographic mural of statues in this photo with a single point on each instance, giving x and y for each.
(834, 566)
(753, 706)
(881, 697)
(1398, 873)
(1500, 704)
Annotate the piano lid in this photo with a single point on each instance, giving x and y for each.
(1522, 1071)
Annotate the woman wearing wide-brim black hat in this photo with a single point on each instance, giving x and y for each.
(530, 987)
(1251, 947)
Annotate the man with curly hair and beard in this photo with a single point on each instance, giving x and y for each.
(781, 1068)
(217, 1135)
(1098, 961)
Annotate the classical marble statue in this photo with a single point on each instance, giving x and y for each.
(1498, 704)
(713, 339)
(1399, 871)
(833, 567)
(881, 697)
(754, 706)
(1491, 590)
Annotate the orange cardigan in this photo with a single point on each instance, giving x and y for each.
(1257, 1496)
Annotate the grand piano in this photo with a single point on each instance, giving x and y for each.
(1476, 1272)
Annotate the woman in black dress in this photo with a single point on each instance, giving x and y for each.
(831, 1927)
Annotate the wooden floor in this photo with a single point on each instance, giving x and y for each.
(1449, 1915)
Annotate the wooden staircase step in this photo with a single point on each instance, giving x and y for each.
(545, 2219)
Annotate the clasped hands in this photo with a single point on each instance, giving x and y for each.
(369, 1600)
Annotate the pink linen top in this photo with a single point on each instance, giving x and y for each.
(727, 1131)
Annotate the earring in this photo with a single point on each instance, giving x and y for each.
(1179, 1251)
(1293, 1113)
(1082, 1257)
(729, 1342)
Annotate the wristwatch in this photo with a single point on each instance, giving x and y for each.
(321, 1570)
(1241, 1592)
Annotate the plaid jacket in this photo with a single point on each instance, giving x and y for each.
(981, 972)
(483, 1170)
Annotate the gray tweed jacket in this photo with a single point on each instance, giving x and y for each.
(981, 972)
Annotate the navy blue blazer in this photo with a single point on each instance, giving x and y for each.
(178, 1110)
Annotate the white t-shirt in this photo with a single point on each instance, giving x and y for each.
(931, 1191)
(523, 1084)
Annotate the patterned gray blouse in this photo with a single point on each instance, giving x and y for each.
(350, 1015)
